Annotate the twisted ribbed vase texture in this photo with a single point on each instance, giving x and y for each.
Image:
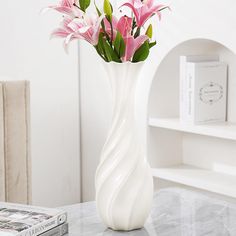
(124, 185)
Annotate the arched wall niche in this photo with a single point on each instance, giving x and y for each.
(164, 91)
(190, 156)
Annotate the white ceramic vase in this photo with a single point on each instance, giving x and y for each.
(124, 184)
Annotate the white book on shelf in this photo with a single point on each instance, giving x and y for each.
(206, 92)
(183, 78)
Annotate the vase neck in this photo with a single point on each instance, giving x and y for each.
(123, 78)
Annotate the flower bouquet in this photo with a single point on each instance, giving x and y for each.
(127, 38)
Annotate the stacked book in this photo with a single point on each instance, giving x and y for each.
(203, 89)
(22, 220)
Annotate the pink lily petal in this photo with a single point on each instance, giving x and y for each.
(108, 26)
(66, 21)
(149, 13)
(84, 29)
(124, 26)
(137, 3)
(150, 3)
(64, 30)
(72, 36)
(66, 7)
(132, 44)
(87, 28)
(131, 6)
(62, 33)
(67, 3)
(97, 30)
(75, 24)
(61, 9)
(144, 11)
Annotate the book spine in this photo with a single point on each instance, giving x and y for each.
(58, 231)
(190, 92)
(45, 226)
(182, 87)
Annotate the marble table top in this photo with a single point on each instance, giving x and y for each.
(175, 212)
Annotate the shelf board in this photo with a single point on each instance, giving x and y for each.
(200, 178)
(223, 130)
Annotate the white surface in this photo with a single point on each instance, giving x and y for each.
(200, 178)
(225, 130)
(124, 184)
(27, 53)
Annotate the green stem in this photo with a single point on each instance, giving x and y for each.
(164, 8)
(133, 26)
(137, 33)
(111, 31)
(107, 36)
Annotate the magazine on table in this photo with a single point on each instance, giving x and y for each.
(57, 231)
(24, 220)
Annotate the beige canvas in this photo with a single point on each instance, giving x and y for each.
(15, 165)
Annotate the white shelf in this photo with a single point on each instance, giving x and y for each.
(223, 130)
(199, 178)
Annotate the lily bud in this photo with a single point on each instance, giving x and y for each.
(107, 8)
(149, 31)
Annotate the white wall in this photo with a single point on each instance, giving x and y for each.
(27, 53)
(95, 115)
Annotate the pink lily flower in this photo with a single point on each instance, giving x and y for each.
(67, 7)
(63, 31)
(108, 26)
(87, 28)
(123, 25)
(143, 10)
(132, 44)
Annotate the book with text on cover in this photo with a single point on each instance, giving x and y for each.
(23, 220)
(206, 92)
(184, 79)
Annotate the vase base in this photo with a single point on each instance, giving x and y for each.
(124, 230)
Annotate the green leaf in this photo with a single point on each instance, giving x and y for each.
(104, 49)
(141, 53)
(110, 53)
(97, 9)
(119, 44)
(149, 31)
(122, 48)
(99, 53)
(100, 47)
(84, 4)
(107, 8)
(152, 44)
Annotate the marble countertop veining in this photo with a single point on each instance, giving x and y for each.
(175, 212)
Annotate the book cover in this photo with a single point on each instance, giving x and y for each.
(206, 92)
(57, 231)
(23, 220)
(183, 86)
